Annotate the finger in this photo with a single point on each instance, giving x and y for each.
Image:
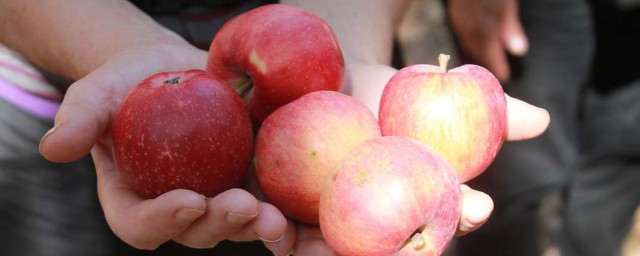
(485, 48)
(494, 58)
(311, 242)
(227, 214)
(373, 77)
(285, 245)
(487, 51)
(82, 117)
(525, 121)
(270, 226)
(513, 33)
(476, 209)
(143, 224)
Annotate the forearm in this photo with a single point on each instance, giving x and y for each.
(365, 29)
(73, 37)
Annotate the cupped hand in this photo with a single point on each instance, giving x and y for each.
(487, 31)
(525, 121)
(82, 126)
(366, 83)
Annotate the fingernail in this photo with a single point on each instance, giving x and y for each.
(48, 133)
(44, 137)
(517, 45)
(240, 218)
(288, 254)
(271, 241)
(189, 214)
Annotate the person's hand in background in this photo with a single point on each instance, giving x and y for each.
(488, 31)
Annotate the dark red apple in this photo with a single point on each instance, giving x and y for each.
(274, 54)
(182, 130)
(299, 145)
(390, 196)
(461, 113)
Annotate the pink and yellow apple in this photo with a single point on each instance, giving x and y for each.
(274, 54)
(299, 145)
(182, 130)
(461, 113)
(390, 196)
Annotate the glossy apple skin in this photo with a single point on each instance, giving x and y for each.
(282, 51)
(299, 145)
(462, 114)
(194, 133)
(385, 190)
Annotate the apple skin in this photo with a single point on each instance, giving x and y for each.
(383, 193)
(462, 113)
(299, 145)
(182, 130)
(274, 54)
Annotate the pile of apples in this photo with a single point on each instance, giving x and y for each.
(386, 186)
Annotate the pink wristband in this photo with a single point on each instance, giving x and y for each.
(40, 107)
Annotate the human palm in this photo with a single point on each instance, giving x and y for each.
(82, 127)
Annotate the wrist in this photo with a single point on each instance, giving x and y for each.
(162, 46)
(173, 50)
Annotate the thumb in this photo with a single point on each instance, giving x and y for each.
(476, 210)
(513, 33)
(83, 116)
(525, 121)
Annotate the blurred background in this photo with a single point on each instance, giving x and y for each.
(421, 42)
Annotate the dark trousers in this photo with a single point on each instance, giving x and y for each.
(46, 208)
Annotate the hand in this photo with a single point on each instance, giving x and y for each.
(485, 29)
(82, 126)
(366, 83)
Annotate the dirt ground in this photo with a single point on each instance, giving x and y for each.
(423, 35)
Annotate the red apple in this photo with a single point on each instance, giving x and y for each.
(274, 54)
(299, 145)
(390, 196)
(182, 130)
(461, 113)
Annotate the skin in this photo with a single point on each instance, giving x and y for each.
(365, 30)
(105, 69)
(489, 30)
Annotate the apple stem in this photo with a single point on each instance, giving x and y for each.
(174, 80)
(443, 59)
(417, 241)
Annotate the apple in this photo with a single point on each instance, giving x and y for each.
(182, 130)
(390, 195)
(461, 113)
(274, 54)
(299, 145)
